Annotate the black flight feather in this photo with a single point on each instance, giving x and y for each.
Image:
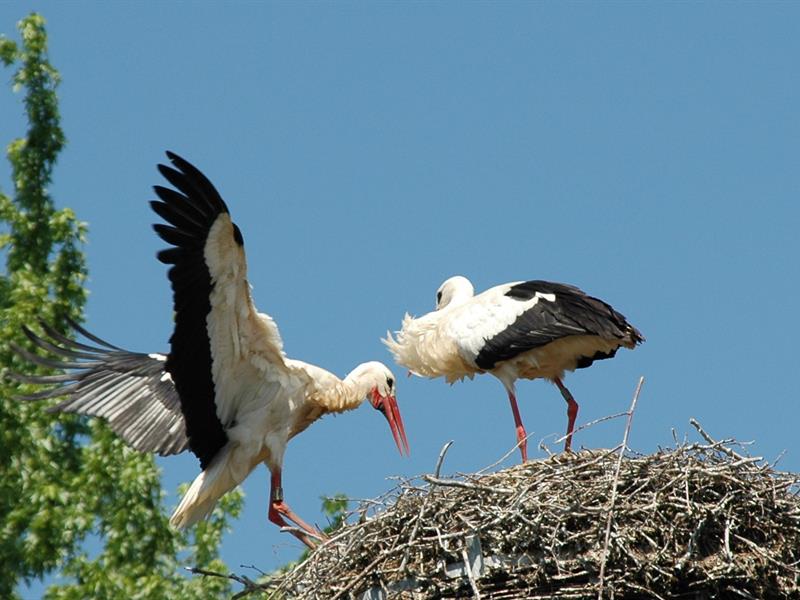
(191, 211)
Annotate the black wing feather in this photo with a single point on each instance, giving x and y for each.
(177, 237)
(573, 313)
(191, 209)
(199, 182)
(178, 218)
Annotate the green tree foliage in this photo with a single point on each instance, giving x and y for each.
(64, 478)
(335, 509)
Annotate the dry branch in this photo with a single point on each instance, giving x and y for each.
(611, 504)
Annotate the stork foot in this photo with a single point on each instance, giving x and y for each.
(278, 509)
(310, 536)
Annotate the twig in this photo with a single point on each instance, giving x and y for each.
(250, 586)
(513, 449)
(439, 462)
(293, 529)
(357, 578)
(741, 593)
(422, 508)
(727, 539)
(763, 553)
(721, 445)
(614, 488)
(255, 568)
(466, 485)
(691, 545)
(778, 459)
(587, 426)
(468, 568)
(647, 590)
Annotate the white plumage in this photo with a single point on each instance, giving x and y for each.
(525, 329)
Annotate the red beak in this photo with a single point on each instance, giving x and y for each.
(388, 406)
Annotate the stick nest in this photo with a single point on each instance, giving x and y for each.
(695, 521)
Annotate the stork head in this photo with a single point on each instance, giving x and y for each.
(454, 291)
(380, 385)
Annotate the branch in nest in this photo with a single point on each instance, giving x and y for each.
(250, 586)
(614, 487)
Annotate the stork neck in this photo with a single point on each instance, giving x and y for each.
(346, 394)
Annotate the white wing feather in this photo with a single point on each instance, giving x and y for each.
(246, 346)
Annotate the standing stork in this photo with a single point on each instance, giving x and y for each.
(528, 329)
(226, 390)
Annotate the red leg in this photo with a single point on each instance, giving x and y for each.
(279, 509)
(522, 436)
(572, 412)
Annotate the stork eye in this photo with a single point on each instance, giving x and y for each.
(389, 382)
(438, 297)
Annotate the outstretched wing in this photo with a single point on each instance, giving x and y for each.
(220, 344)
(542, 312)
(133, 392)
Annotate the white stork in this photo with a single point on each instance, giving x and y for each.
(226, 390)
(525, 329)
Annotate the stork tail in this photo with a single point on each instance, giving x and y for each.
(208, 487)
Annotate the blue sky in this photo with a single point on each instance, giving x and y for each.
(646, 152)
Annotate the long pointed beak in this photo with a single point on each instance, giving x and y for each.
(388, 406)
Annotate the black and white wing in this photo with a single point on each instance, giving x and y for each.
(131, 391)
(221, 349)
(508, 320)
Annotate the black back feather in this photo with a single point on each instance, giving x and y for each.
(572, 313)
